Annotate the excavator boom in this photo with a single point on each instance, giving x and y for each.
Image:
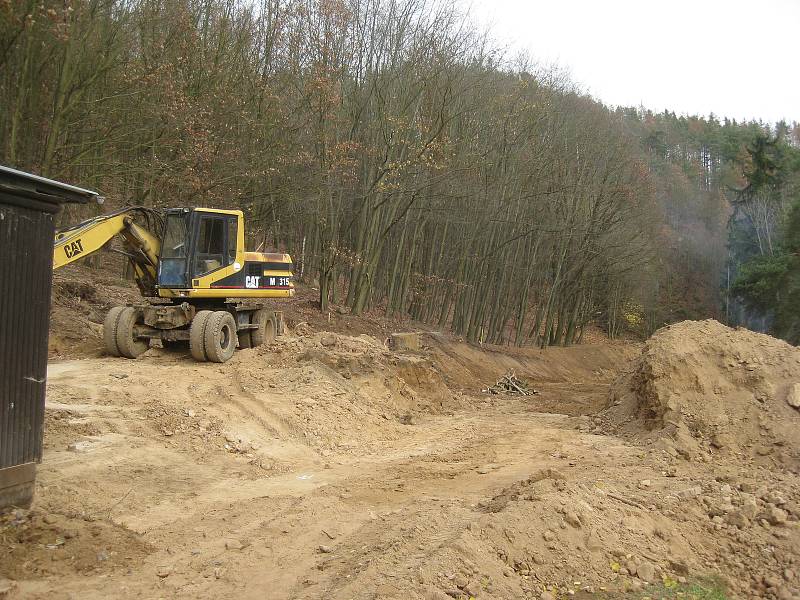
(141, 245)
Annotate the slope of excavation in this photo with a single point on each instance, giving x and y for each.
(330, 466)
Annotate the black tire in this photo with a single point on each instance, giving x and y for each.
(129, 345)
(197, 345)
(220, 336)
(110, 330)
(265, 334)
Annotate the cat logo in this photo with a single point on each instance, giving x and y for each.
(73, 248)
(251, 281)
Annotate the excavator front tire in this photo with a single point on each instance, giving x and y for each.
(267, 328)
(220, 336)
(110, 330)
(129, 345)
(197, 333)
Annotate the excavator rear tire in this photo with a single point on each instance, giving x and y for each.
(129, 345)
(197, 333)
(267, 329)
(110, 330)
(220, 336)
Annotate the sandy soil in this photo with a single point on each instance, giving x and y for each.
(328, 466)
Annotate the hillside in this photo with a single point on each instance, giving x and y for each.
(431, 174)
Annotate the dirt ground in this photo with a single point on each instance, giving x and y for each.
(329, 466)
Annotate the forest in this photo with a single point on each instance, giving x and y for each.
(409, 164)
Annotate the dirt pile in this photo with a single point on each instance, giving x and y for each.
(332, 464)
(80, 299)
(46, 544)
(342, 393)
(566, 535)
(709, 388)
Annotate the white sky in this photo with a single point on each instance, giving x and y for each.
(735, 58)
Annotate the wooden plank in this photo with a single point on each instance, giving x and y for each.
(17, 475)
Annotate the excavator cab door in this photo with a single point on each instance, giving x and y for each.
(173, 262)
(211, 247)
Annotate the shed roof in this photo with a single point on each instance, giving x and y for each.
(33, 191)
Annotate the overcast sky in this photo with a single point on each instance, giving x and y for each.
(735, 58)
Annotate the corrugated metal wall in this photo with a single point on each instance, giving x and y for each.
(26, 255)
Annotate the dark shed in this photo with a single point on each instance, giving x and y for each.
(27, 206)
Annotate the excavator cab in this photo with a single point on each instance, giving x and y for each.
(197, 243)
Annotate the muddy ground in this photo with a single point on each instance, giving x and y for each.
(329, 466)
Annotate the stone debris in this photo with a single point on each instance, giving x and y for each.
(793, 395)
(234, 544)
(7, 588)
(164, 571)
(329, 340)
(703, 387)
(405, 342)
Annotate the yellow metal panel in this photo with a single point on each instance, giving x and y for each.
(75, 244)
(270, 273)
(219, 211)
(267, 257)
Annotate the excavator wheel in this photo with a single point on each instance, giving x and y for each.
(110, 330)
(197, 334)
(129, 345)
(220, 336)
(265, 334)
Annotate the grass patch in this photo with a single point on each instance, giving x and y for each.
(706, 589)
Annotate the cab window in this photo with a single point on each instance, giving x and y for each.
(216, 243)
(210, 249)
(174, 250)
(174, 245)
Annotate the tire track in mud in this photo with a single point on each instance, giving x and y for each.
(434, 504)
(250, 405)
(394, 494)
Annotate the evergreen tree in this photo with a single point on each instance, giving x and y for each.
(770, 284)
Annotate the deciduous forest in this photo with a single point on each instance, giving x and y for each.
(408, 163)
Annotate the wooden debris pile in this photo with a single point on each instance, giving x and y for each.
(510, 384)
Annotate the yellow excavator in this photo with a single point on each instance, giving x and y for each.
(192, 263)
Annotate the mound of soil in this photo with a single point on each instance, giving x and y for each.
(706, 386)
(81, 297)
(60, 541)
(343, 393)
